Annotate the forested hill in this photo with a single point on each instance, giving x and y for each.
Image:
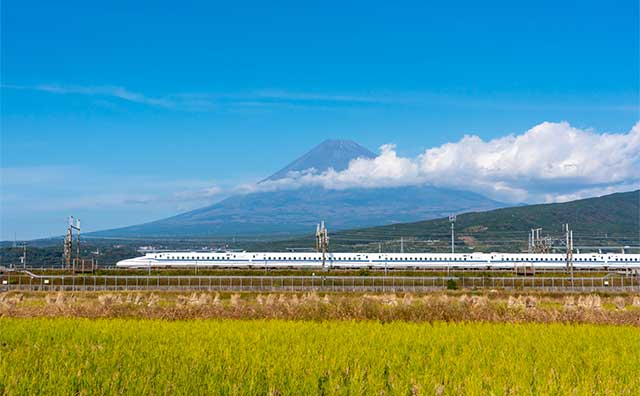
(603, 221)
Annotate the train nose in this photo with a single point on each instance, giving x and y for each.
(126, 263)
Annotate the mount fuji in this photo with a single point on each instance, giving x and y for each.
(288, 212)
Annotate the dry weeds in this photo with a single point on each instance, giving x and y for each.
(587, 308)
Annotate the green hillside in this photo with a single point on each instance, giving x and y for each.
(611, 220)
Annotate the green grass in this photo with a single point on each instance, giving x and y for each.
(75, 356)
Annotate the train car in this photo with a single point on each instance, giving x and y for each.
(297, 260)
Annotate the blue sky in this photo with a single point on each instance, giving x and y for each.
(123, 112)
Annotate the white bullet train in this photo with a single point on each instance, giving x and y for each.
(604, 261)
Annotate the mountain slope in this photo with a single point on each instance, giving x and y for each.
(292, 212)
(610, 220)
(296, 211)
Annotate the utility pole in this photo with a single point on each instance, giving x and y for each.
(23, 259)
(68, 242)
(569, 243)
(571, 254)
(78, 240)
(536, 244)
(322, 242)
(452, 220)
(401, 244)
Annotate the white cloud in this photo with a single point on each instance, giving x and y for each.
(209, 101)
(551, 161)
(112, 91)
(268, 99)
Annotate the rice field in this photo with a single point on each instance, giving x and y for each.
(63, 356)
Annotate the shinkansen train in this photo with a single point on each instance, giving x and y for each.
(605, 261)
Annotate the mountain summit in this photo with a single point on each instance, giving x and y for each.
(334, 154)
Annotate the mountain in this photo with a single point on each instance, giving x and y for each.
(334, 154)
(610, 220)
(287, 212)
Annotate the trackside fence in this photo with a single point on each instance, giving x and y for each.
(21, 281)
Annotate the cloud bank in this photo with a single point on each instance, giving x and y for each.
(549, 162)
